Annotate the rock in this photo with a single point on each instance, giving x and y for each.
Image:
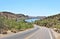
(55, 29)
(4, 32)
(14, 31)
(58, 30)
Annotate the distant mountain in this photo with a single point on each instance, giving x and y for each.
(11, 15)
(36, 17)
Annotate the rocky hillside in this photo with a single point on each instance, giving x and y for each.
(50, 21)
(11, 15)
(8, 21)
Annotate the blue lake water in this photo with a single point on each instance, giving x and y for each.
(31, 20)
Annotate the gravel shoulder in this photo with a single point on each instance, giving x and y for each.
(57, 35)
(9, 33)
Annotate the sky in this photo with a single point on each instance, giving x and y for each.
(31, 7)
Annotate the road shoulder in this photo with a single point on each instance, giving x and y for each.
(57, 35)
(10, 33)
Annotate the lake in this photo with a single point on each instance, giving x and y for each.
(31, 20)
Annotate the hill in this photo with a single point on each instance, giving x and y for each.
(50, 21)
(8, 22)
(10, 15)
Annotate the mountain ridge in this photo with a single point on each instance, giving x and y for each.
(11, 15)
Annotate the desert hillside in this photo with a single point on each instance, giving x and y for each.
(8, 21)
(11, 15)
(50, 21)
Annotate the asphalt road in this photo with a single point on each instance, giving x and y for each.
(42, 33)
(36, 33)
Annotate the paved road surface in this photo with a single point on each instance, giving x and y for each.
(42, 33)
(36, 33)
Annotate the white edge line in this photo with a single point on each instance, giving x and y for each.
(50, 34)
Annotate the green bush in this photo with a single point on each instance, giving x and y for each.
(50, 22)
(13, 24)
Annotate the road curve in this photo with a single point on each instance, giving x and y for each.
(42, 33)
(36, 33)
(22, 35)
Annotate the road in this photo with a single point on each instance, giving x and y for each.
(42, 33)
(36, 33)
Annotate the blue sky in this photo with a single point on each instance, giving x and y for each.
(31, 7)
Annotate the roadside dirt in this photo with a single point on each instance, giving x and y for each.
(11, 33)
(56, 34)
